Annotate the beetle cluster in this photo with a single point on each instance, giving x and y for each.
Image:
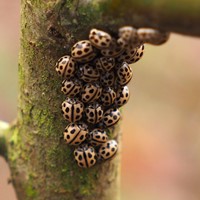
(95, 76)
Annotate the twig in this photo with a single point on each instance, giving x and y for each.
(3, 141)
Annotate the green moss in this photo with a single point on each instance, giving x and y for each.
(87, 178)
(31, 191)
(14, 140)
(21, 75)
(52, 157)
(42, 115)
(85, 190)
(14, 143)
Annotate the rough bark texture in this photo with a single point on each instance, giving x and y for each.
(42, 166)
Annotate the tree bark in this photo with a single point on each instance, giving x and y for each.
(169, 15)
(42, 167)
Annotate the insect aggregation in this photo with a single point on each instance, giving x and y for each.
(95, 78)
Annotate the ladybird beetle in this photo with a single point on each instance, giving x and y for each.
(127, 35)
(105, 63)
(152, 36)
(97, 137)
(124, 73)
(123, 96)
(138, 55)
(113, 51)
(75, 133)
(72, 109)
(91, 92)
(83, 51)
(108, 79)
(128, 54)
(85, 156)
(108, 96)
(71, 87)
(108, 150)
(94, 113)
(111, 117)
(100, 39)
(66, 66)
(88, 73)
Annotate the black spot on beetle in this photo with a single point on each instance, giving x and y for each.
(64, 90)
(68, 85)
(115, 117)
(100, 112)
(66, 116)
(86, 50)
(89, 155)
(108, 154)
(79, 52)
(80, 157)
(72, 131)
(103, 152)
(67, 109)
(69, 71)
(96, 41)
(87, 96)
(91, 91)
(78, 110)
(113, 149)
(91, 162)
(81, 138)
(91, 114)
(75, 91)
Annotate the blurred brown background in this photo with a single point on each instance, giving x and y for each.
(161, 129)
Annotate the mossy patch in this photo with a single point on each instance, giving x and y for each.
(31, 191)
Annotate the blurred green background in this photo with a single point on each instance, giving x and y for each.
(161, 122)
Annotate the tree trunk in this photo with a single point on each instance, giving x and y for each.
(42, 167)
